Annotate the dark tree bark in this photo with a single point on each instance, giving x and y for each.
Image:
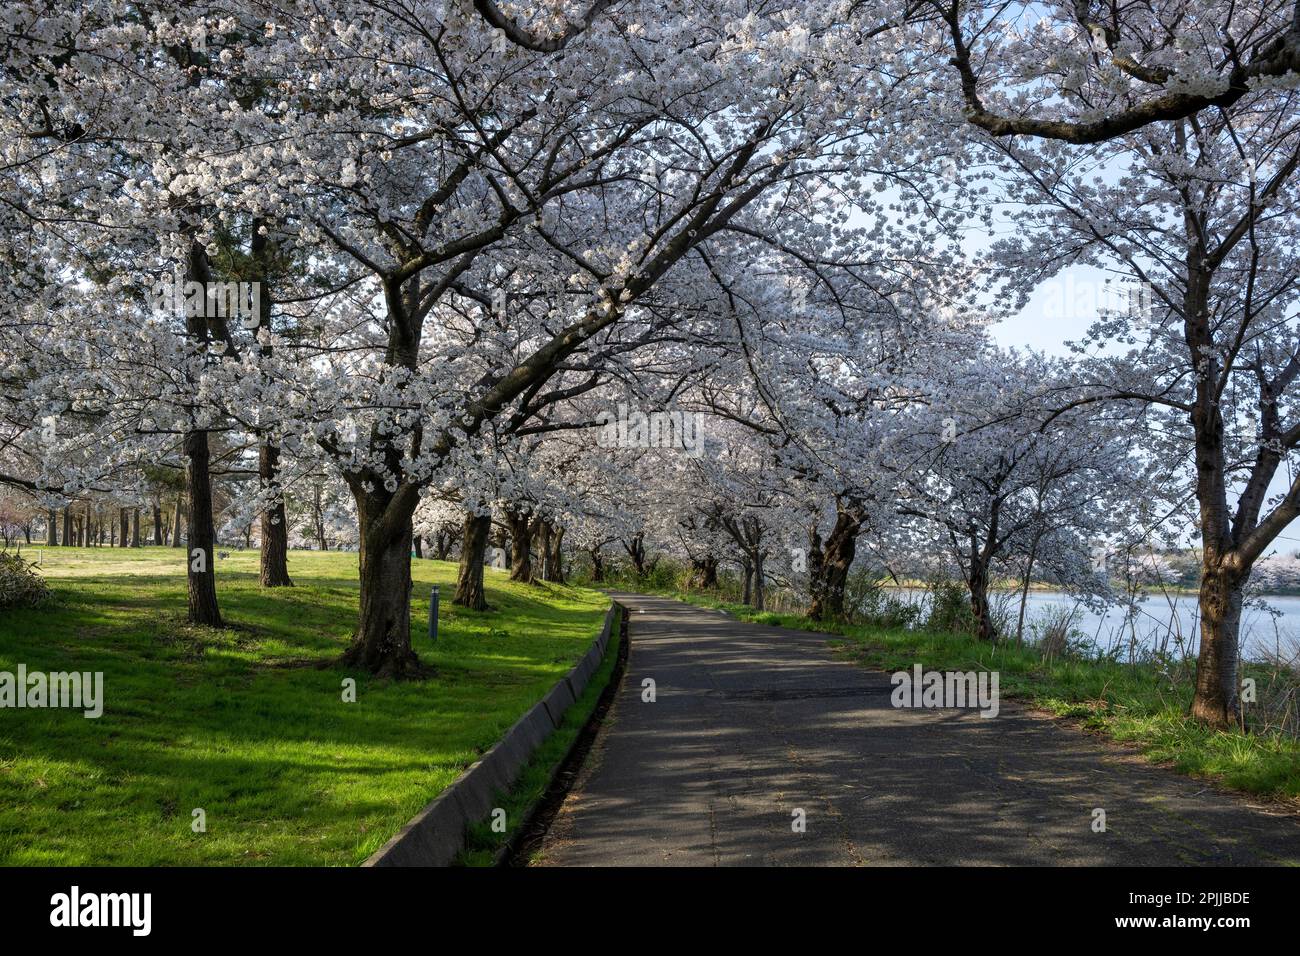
(382, 643)
(123, 527)
(704, 573)
(135, 527)
(177, 517)
(978, 584)
(67, 526)
(748, 533)
(318, 518)
(52, 528)
(1224, 571)
(1215, 700)
(274, 524)
(597, 564)
(829, 562)
(157, 526)
(521, 544)
(418, 544)
(201, 572)
(542, 536)
(200, 558)
(1226, 557)
(442, 543)
(469, 583)
(636, 551)
(553, 565)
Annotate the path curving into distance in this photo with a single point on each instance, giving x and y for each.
(751, 723)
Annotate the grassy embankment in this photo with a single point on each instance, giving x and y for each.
(1135, 704)
(483, 844)
(244, 722)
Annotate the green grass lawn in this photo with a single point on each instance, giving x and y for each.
(242, 723)
(1138, 705)
(482, 845)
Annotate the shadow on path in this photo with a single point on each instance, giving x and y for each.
(752, 723)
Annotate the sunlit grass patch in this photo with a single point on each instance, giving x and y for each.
(247, 722)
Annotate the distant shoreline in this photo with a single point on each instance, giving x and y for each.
(1002, 586)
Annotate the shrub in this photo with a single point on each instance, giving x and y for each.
(866, 601)
(21, 585)
(1053, 631)
(950, 610)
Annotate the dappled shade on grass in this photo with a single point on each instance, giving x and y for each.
(247, 722)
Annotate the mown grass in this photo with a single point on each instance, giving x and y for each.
(1135, 704)
(247, 722)
(482, 843)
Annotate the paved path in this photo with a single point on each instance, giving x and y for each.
(752, 723)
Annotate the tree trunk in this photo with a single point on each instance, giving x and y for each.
(274, 525)
(67, 526)
(1024, 591)
(135, 528)
(709, 579)
(200, 558)
(760, 590)
(828, 566)
(552, 558)
(542, 535)
(1216, 697)
(636, 551)
(979, 601)
(123, 527)
(176, 520)
(469, 583)
(417, 543)
(52, 528)
(597, 566)
(704, 573)
(157, 526)
(1215, 700)
(318, 518)
(521, 545)
(382, 643)
(747, 568)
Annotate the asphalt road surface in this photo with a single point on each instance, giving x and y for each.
(751, 724)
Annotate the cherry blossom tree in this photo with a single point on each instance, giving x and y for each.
(1198, 218)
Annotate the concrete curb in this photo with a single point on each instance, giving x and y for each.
(436, 834)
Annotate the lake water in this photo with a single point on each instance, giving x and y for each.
(1162, 622)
